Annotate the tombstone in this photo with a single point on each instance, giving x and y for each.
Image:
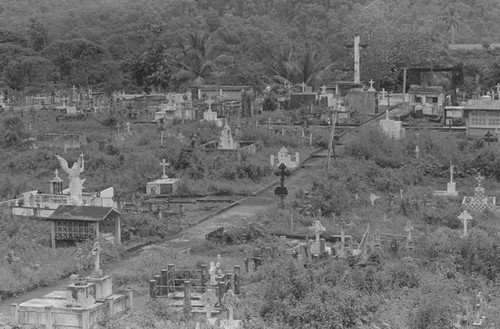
(287, 159)
(392, 128)
(229, 300)
(209, 300)
(218, 265)
(409, 230)
(317, 247)
(226, 139)
(212, 273)
(465, 217)
(417, 152)
(371, 82)
(373, 198)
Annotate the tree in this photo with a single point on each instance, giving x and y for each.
(28, 71)
(451, 21)
(39, 35)
(13, 133)
(153, 69)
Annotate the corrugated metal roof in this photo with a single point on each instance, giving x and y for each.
(429, 90)
(482, 104)
(83, 213)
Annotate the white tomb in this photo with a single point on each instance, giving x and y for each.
(226, 141)
(392, 128)
(283, 157)
(451, 189)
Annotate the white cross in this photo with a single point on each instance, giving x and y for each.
(209, 102)
(479, 179)
(303, 85)
(164, 164)
(323, 89)
(498, 88)
(465, 217)
(371, 82)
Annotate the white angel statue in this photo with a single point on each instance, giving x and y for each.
(75, 183)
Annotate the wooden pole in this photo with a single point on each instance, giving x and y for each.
(404, 89)
(331, 149)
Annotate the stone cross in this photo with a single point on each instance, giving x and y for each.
(96, 251)
(479, 179)
(417, 151)
(409, 229)
(209, 300)
(371, 85)
(323, 89)
(211, 273)
(465, 217)
(317, 228)
(373, 198)
(303, 85)
(218, 265)
(229, 300)
(164, 164)
(209, 102)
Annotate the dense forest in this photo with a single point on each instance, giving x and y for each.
(171, 44)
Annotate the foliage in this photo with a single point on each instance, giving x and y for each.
(13, 132)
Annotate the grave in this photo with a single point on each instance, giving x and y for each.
(465, 217)
(164, 185)
(211, 116)
(283, 157)
(392, 128)
(479, 201)
(318, 246)
(451, 189)
(82, 305)
(226, 141)
(190, 289)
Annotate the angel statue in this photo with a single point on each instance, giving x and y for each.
(75, 183)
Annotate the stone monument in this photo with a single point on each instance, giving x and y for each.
(229, 300)
(479, 201)
(392, 128)
(286, 158)
(226, 141)
(75, 183)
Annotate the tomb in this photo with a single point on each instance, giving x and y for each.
(71, 224)
(283, 157)
(392, 128)
(479, 201)
(481, 116)
(81, 306)
(451, 189)
(164, 185)
(426, 100)
(211, 116)
(203, 292)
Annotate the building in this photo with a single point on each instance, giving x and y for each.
(482, 116)
(222, 93)
(71, 224)
(427, 100)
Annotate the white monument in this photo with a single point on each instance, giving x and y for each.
(287, 159)
(451, 189)
(75, 183)
(226, 141)
(392, 128)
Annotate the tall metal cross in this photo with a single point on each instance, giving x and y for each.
(282, 172)
(489, 138)
(164, 164)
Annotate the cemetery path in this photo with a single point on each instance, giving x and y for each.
(236, 216)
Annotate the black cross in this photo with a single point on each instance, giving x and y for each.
(489, 138)
(11, 166)
(282, 172)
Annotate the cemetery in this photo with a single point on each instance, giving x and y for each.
(227, 165)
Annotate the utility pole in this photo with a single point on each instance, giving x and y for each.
(356, 59)
(331, 146)
(404, 89)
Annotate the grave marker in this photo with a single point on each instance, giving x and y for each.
(465, 217)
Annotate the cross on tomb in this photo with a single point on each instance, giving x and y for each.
(371, 82)
(209, 102)
(164, 164)
(479, 179)
(229, 300)
(211, 273)
(498, 88)
(209, 300)
(303, 85)
(323, 89)
(282, 172)
(465, 217)
(317, 228)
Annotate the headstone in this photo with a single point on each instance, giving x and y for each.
(226, 139)
(211, 273)
(392, 128)
(229, 300)
(209, 300)
(371, 85)
(465, 217)
(317, 247)
(373, 198)
(287, 159)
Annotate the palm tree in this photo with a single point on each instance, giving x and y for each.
(285, 66)
(309, 68)
(451, 21)
(195, 61)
